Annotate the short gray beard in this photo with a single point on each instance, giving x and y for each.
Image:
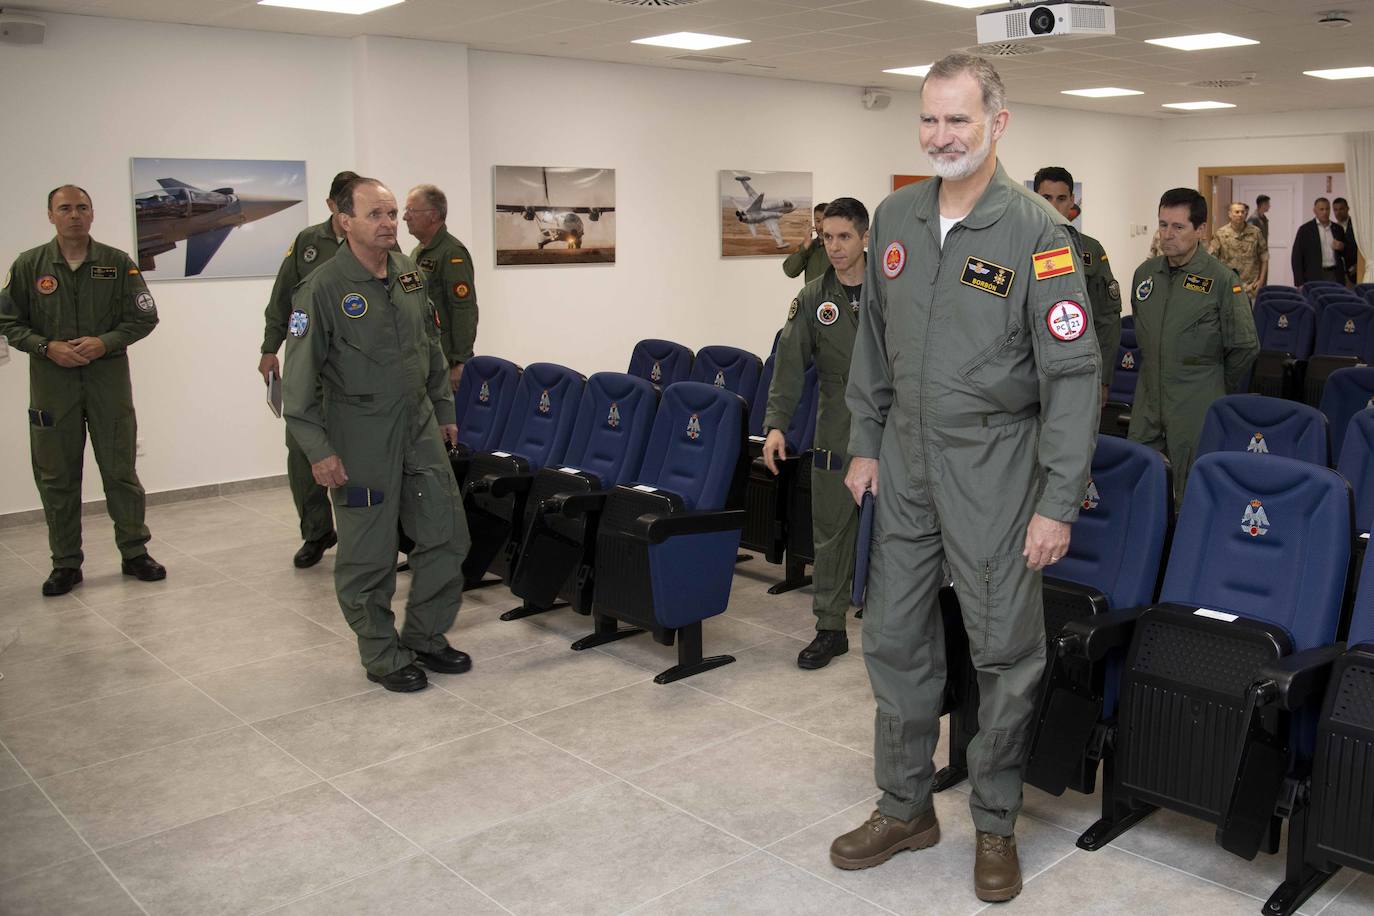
(971, 162)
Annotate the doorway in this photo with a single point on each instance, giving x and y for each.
(1291, 190)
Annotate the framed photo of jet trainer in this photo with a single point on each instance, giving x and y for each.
(553, 215)
(763, 213)
(216, 217)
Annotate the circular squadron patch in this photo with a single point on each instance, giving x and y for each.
(894, 260)
(827, 313)
(298, 324)
(1147, 286)
(461, 290)
(144, 302)
(354, 305)
(47, 284)
(310, 254)
(792, 310)
(1067, 320)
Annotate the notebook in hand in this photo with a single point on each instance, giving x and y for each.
(861, 545)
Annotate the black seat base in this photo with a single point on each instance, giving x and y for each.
(795, 577)
(530, 610)
(690, 660)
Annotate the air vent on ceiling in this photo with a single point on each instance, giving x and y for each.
(1220, 84)
(707, 59)
(654, 4)
(1007, 49)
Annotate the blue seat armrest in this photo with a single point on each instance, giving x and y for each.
(655, 528)
(1094, 637)
(1295, 680)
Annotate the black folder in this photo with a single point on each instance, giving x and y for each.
(861, 546)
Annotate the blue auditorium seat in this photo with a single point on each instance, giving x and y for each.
(498, 481)
(1347, 392)
(666, 545)
(1345, 338)
(768, 496)
(1116, 413)
(563, 508)
(1256, 573)
(661, 361)
(1114, 557)
(482, 404)
(730, 368)
(1355, 461)
(1331, 812)
(1265, 426)
(1287, 328)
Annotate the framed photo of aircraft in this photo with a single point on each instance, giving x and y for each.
(216, 217)
(553, 215)
(763, 213)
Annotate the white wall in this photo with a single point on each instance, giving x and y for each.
(99, 91)
(667, 133)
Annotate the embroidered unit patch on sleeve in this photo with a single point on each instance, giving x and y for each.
(1053, 263)
(461, 290)
(894, 260)
(298, 323)
(1066, 320)
(144, 302)
(792, 310)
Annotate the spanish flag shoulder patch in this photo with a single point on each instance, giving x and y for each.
(1235, 289)
(1053, 263)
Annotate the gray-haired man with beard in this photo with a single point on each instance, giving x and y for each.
(974, 397)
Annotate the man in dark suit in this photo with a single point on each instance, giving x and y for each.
(1340, 215)
(1319, 247)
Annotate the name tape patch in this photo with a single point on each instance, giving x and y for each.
(986, 276)
(1198, 284)
(411, 281)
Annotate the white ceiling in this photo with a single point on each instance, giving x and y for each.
(852, 41)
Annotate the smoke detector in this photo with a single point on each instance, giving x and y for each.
(1336, 19)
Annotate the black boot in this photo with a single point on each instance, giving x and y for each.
(61, 580)
(144, 568)
(826, 645)
(312, 552)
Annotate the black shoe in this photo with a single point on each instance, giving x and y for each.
(144, 568)
(61, 580)
(447, 660)
(312, 552)
(405, 680)
(826, 645)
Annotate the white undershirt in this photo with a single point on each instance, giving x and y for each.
(946, 224)
(1328, 253)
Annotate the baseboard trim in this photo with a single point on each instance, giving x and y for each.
(166, 497)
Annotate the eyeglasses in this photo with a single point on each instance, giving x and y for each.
(409, 211)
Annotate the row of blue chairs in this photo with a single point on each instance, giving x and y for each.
(1233, 683)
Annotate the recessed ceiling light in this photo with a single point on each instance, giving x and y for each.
(1342, 73)
(965, 4)
(911, 71)
(1105, 92)
(354, 7)
(1203, 42)
(690, 41)
(1196, 106)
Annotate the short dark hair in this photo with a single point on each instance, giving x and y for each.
(1261, 200)
(1052, 173)
(340, 180)
(343, 200)
(1186, 197)
(1340, 200)
(820, 208)
(63, 187)
(1320, 200)
(850, 209)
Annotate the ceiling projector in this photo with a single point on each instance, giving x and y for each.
(1026, 22)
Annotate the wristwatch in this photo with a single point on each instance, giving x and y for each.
(42, 350)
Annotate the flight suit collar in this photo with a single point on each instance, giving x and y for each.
(53, 253)
(1189, 267)
(833, 290)
(439, 238)
(353, 269)
(989, 209)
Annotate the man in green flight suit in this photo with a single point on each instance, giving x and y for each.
(367, 396)
(1196, 333)
(820, 328)
(448, 274)
(75, 305)
(973, 394)
(1055, 184)
(313, 246)
(810, 256)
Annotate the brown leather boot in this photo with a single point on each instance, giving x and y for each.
(881, 837)
(996, 868)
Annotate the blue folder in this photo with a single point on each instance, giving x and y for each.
(861, 546)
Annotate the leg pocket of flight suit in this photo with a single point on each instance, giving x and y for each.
(431, 504)
(1012, 621)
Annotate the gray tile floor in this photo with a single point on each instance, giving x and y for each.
(209, 745)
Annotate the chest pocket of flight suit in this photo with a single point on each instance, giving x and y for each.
(361, 362)
(1199, 344)
(1000, 347)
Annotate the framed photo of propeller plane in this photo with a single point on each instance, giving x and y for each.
(551, 215)
(763, 213)
(216, 217)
